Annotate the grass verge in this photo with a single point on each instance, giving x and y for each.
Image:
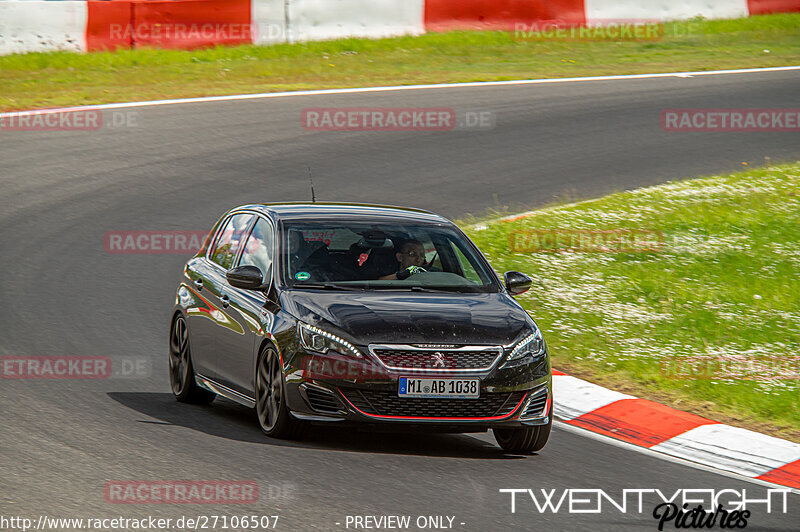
(707, 321)
(61, 79)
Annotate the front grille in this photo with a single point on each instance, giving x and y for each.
(536, 405)
(387, 403)
(322, 401)
(442, 359)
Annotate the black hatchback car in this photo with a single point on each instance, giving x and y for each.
(347, 313)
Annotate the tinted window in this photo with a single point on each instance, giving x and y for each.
(229, 238)
(258, 249)
(371, 255)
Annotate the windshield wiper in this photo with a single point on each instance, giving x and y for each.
(324, 286)
(449, 289)
(427, 289)
(412, 288)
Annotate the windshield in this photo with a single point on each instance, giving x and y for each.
(357, 255)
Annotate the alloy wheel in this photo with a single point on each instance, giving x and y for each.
(178, 356)
(269, 390)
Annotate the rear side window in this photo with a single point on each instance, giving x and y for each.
(258, 249)
(230, 237)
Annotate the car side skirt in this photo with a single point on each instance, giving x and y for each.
(224, 391)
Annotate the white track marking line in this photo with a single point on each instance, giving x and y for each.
(644, 450)
(356, 90)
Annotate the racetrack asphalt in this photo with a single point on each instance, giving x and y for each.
(183, 165)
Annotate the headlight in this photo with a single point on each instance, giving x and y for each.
(532, 344)
(315, 339)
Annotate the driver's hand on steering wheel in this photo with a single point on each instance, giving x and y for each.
(408, 272)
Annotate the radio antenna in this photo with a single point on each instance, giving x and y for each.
(313, 198)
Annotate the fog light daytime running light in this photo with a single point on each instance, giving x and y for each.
(532, 344)
(317, 340)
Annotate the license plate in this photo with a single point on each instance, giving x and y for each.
(432, 388)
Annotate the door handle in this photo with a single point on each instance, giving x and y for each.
(225, 300)
(198, 283)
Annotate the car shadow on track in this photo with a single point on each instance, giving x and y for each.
(226, 419)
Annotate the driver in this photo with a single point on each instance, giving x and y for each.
(411, 257)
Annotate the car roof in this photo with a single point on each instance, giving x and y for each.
(297, 211)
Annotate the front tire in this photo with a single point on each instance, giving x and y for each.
(181, 372)
(523, 440)
(271, 410)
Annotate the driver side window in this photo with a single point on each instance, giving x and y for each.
(258, 248)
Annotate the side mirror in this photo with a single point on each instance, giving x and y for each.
(246, 277)
(517, 283)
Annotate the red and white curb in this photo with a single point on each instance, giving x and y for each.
(674, 432)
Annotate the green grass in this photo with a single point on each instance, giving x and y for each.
(724, 286)
(59, 79)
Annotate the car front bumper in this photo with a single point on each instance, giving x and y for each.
(330, 389)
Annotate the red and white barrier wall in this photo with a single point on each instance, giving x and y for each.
(311, 20)
(90, 25)
(665, 9)
(442, 15)
(41, 26)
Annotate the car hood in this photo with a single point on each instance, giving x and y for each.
(410, 318)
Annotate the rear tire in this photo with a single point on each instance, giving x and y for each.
(181, 371)
(271, 410)
(523, 440)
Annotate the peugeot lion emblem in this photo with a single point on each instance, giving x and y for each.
(438, 360)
